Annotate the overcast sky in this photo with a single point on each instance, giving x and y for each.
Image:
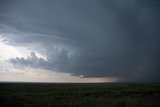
(80, 40)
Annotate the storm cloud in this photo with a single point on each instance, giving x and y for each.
(93, 38)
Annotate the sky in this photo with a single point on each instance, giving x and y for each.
(80, 40)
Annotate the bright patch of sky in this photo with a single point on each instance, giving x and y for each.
(8, 51)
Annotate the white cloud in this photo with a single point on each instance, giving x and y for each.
(7, 51)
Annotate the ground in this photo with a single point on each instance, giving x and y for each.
(79, 95)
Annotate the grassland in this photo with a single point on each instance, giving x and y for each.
(79, 95)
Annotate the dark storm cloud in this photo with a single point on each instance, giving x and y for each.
(112, 38)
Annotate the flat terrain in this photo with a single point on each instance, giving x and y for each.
(79, 95)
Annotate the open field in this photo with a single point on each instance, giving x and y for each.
(79, 95)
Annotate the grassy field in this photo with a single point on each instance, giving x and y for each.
(79, 95)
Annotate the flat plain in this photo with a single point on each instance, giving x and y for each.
(79, 95)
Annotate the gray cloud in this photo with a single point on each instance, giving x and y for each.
(117, 38)
(32, 61)
(56, 61)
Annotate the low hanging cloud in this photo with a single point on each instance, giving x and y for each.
(32, 61)
(56, 62)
